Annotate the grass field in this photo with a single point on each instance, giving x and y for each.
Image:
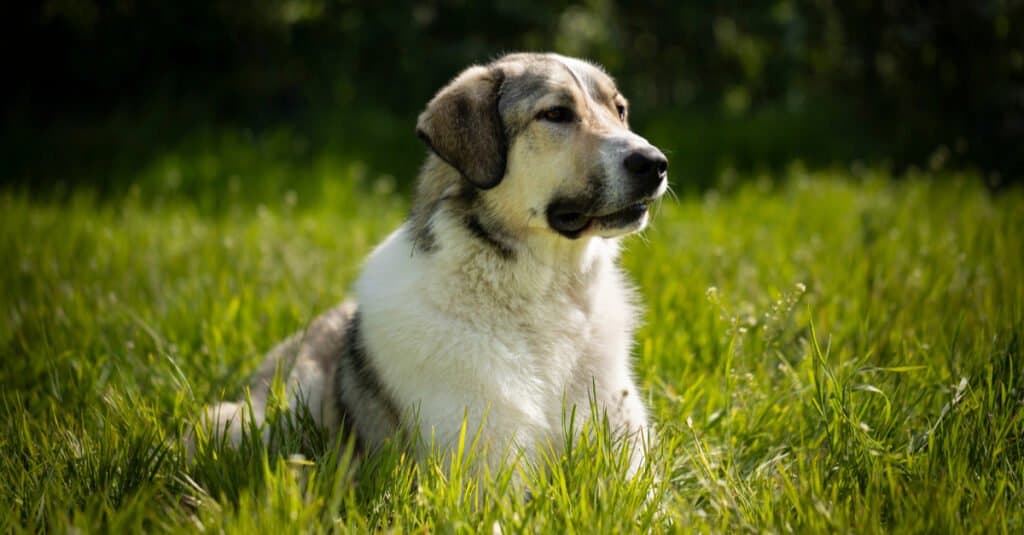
(823, 352)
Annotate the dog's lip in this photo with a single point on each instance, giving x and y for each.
(624, 217)
(591, 213)
(612, 214)
(575, 219)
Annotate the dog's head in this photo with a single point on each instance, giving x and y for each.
(545, 141)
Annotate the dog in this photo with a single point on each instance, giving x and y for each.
(499, 301)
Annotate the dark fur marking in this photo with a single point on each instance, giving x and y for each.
(476, 228)
(347, 421)
(366, 379)
(519, 96)
(364, 369)
(466, 197)
(463, 111)
(423, 239)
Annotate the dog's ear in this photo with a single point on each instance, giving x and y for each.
(463, 127)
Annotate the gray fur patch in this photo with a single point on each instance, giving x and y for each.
(476, 228)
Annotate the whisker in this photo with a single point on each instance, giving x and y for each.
(671, 192)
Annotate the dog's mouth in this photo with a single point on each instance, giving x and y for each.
(571, 221)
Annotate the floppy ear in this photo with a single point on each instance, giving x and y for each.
(463, 127)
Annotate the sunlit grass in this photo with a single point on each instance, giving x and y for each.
(821, 353)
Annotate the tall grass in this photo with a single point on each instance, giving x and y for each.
(822, 352)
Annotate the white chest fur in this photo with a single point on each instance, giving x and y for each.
(510, 345)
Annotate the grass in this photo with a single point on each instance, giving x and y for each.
(828, 351)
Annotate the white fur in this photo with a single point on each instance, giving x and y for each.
(460, 332)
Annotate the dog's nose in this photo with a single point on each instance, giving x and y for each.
(647, 166)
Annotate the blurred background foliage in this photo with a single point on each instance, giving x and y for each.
(98, 90)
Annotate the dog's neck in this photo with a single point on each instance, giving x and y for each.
(452, 230)
(534, 270)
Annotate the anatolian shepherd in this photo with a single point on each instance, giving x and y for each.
(499, 300)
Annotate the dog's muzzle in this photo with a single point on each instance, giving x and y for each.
(646, 170)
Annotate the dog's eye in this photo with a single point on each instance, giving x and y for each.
(622, 111)
(558, 114)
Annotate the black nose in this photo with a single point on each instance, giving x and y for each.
(646, 166)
